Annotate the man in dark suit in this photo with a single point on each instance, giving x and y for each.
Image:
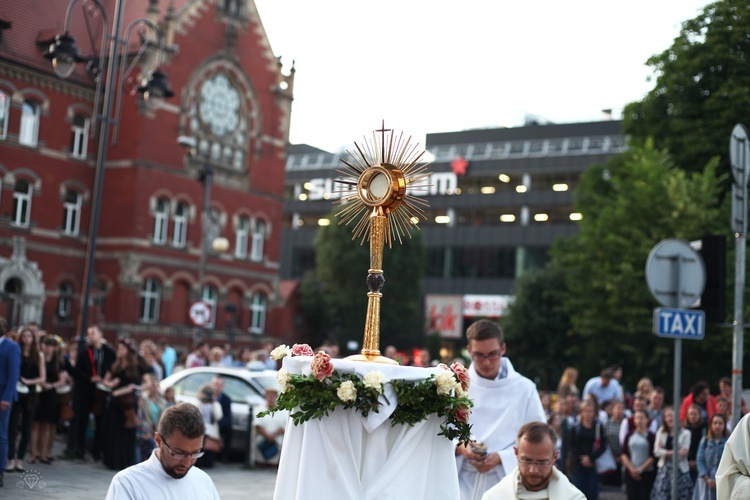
(92, 365)
(225, 424)
(10, 371)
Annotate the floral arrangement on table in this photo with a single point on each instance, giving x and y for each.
(314, 396)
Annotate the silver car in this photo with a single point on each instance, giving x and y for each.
(244, 387)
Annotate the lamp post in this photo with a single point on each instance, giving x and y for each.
(64, 55)
(217, 244)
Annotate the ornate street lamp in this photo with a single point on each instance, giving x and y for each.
(64, 55)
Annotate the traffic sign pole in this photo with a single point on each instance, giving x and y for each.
(739, 154)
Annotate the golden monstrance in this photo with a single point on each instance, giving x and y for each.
(375, 194)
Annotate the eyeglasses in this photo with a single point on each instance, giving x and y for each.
(493, 356)
(538, 463)
(183, 456)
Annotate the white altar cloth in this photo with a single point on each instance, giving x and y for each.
(347, 456)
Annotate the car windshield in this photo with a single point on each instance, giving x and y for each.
(267, 381)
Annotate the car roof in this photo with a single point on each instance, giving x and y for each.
(223, 370)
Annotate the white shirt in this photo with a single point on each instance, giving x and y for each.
(511, 488)
(501, 407)
(148, 481)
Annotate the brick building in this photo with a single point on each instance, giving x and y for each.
(231, 97)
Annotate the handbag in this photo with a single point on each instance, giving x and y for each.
(212, 444)
(268, 448)
(605, 464)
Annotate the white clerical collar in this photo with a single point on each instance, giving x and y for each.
(503, 370)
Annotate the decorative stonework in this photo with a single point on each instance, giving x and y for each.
(48, 82)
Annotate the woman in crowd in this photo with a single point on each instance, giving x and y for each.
(169, 397)
(664, 449)
(584, 450)
(644, 388)
(47, 409)
(612, 432)
(33, 372)
(697, 426)
(709, 455)
(123, 378)
(270, 432)
(150, 407)
(215, 356)
(152, 359)
(212, 413)
(567, 383)
(638, 458)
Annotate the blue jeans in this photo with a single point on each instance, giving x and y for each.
(4, 420)
(587, 480)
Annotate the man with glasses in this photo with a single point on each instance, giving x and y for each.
(535, 476)
(169, 472)
(504, 400)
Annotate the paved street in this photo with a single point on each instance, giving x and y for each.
(89, 481)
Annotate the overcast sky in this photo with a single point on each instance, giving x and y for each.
(437, 66)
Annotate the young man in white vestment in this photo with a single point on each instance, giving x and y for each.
(169, 473)
(535, 477)
(504, 400)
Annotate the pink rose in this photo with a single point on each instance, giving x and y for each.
(442, 366)
(321, 365)
(463, 375)
(302, 350)
(462, 414)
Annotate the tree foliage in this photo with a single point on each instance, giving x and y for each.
(702, 88)
(334, 296)
(536, 326)
(629, 204)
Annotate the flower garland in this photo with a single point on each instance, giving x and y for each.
(314, 396)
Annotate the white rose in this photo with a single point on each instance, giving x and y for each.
(284, 377)
(460, 392)
(281, 352)
(346, 391)
(445, 382)
(375, 380)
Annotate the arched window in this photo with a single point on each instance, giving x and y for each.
(22, 203)
(79, 136)
(64, 300)
(179, 237)
(4, 113)
(259, 239)
(150, 300)
(243, 231)
(210, 296)
(28, 134)
(258, 313)
(161, 219)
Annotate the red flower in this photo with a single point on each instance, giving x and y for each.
(462, 414)
(321, 365)
(463, 375)
(302, 350)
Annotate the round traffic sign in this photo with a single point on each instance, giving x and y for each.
(739, 154)
(675, 274)
(200, 313)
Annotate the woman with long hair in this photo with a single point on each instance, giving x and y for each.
(151, 405)
(33, 372)
(567, 383)
(664, 449)
(638, 458)
(47, 410)
(697, 426)
(709, 455)
(124, 376)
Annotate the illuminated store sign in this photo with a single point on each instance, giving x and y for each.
(326, 189)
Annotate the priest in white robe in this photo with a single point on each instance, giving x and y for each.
(504, 400)
(733, 474)
(535, 477)
(169, 473)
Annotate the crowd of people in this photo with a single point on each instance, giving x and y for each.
(609, 436)
(107, 399)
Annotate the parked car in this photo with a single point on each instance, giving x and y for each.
(244, 387)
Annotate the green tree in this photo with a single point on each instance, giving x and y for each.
(334, 296)
(702, 88)
(536, 326)
(629, 204)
